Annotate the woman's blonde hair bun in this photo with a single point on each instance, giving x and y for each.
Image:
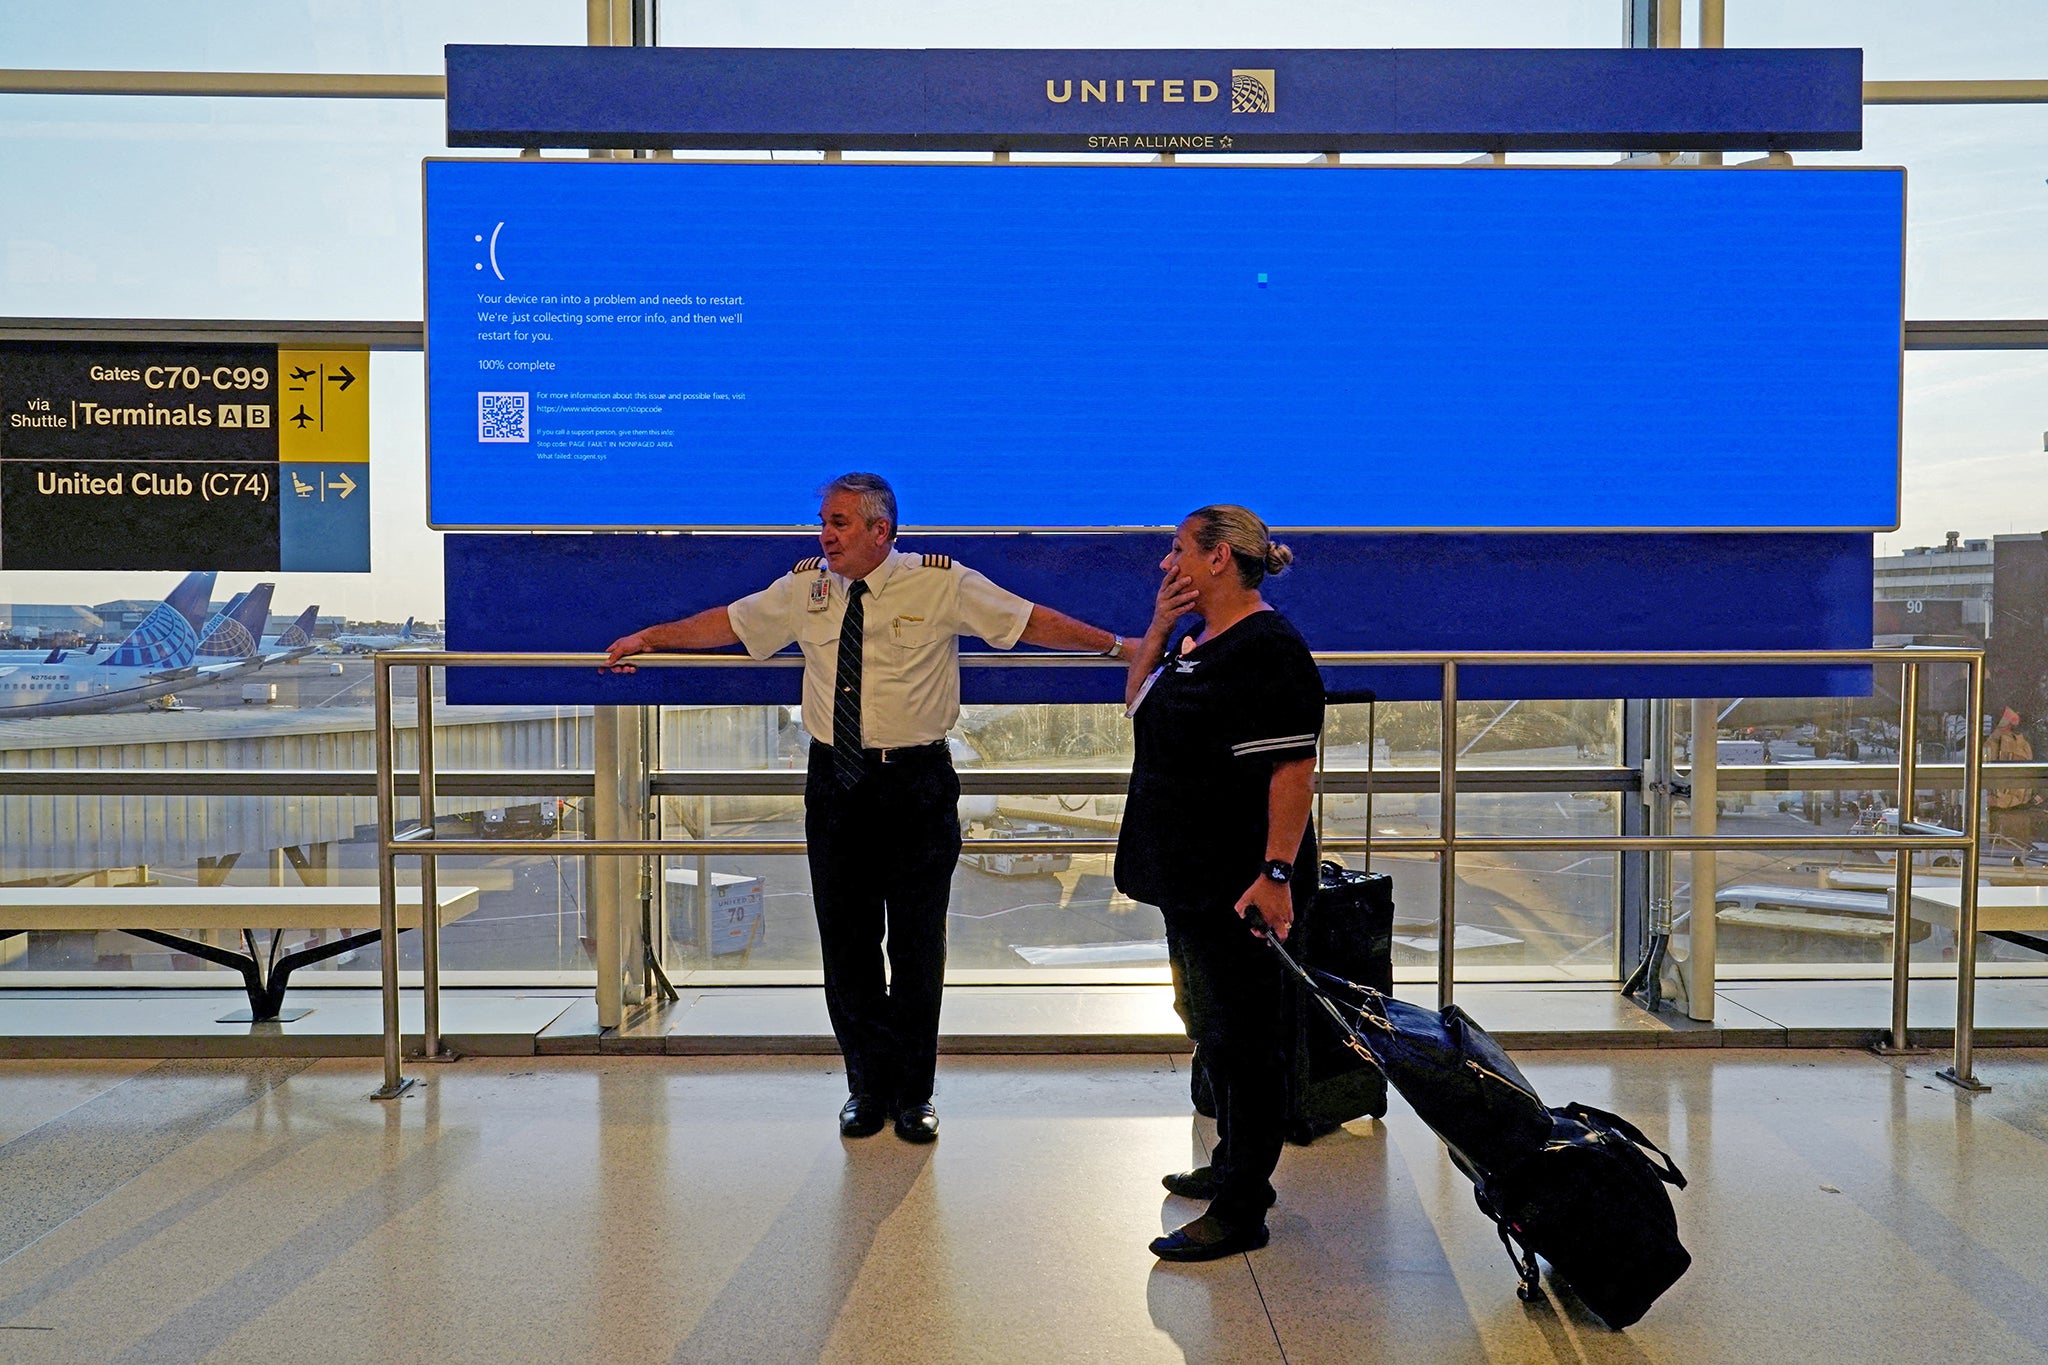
(1252, 546)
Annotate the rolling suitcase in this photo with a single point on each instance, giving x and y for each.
(1574, 1185)
(1349, 933)
(1346, 930)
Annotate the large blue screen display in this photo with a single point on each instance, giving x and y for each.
(662, 344)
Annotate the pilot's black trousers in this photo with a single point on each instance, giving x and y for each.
(882, 855)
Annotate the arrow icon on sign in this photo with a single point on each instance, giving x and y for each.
(346, 378)
(344, 483)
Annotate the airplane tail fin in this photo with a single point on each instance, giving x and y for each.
(169, 636)
(405, 631)
(299, 632)
(241, 626)
(214, 622)
(55, 655)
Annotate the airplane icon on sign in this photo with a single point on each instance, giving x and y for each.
(303, 374)
(301, 417)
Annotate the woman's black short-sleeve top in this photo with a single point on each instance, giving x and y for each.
(1209, 727)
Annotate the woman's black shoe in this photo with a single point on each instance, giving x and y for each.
(863, 1116)
(1209, 1238)
(1200, 1183)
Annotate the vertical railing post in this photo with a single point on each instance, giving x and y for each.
(605, 881)
(1706, 790)
(395, 1082)
(1902, 891)
(1961, 1072)
(1659, 771)
(1447, 823)
(430, 896)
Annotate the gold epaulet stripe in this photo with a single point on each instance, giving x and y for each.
(938, 561)
(807, 565)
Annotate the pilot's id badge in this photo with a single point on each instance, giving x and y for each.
(821, 594)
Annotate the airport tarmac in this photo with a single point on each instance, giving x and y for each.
(310, 683)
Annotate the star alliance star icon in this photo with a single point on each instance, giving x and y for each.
(1223, 141)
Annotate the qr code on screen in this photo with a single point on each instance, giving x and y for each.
(501, 416)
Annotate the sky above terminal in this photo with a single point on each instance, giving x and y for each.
(144, 207)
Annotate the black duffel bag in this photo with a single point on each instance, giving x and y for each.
(1453, 1074)
(1574, 1185)
(1592, 1203)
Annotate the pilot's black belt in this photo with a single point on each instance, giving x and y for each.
(908, 753)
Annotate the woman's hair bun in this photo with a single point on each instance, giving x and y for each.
(1253, 550)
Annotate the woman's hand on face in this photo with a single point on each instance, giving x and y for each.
(1175, 599)
(1275, 904)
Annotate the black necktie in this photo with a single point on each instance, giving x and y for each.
(846, 753)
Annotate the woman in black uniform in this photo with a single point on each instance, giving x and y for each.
(1214, 832)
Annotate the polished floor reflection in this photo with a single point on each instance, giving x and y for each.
(663, 1208)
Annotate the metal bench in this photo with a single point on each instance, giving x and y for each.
(155, 912)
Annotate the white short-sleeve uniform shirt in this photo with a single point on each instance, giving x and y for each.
(917, 608)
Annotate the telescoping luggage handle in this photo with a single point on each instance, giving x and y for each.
(1354, 696)
(1307, 976)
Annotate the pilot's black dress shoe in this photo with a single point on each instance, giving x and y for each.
(1200, 1183)
(863, 1116)
(1209, 1238)
(918, 1123)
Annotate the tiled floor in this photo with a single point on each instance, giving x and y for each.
(1842, 1208)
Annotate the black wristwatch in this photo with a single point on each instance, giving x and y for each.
(1279, 870)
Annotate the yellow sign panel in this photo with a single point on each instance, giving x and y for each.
(323, 407)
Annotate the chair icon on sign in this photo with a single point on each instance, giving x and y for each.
(300, 486)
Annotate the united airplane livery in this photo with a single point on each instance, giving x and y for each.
(228, 646)
(371, 644)
(152, 662)
(295, 641)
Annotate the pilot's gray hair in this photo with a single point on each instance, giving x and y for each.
(877, 498)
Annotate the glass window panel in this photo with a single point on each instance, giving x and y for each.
(1821, 913)
(214, 208)
(377, 36)
(1028, 24)
(1974, 432)
(1056, 918)
(530, 916)
(1790, 766)
(1976, 214)
(1901, 40)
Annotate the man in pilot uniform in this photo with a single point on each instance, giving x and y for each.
(879, 629)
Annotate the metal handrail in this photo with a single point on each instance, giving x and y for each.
(1336, 658)
(421, 842)
(1093, 780)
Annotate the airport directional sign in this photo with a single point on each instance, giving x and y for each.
(184, 456)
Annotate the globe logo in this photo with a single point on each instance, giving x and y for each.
(1251, 92)
(165, 639)
(230, 640)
